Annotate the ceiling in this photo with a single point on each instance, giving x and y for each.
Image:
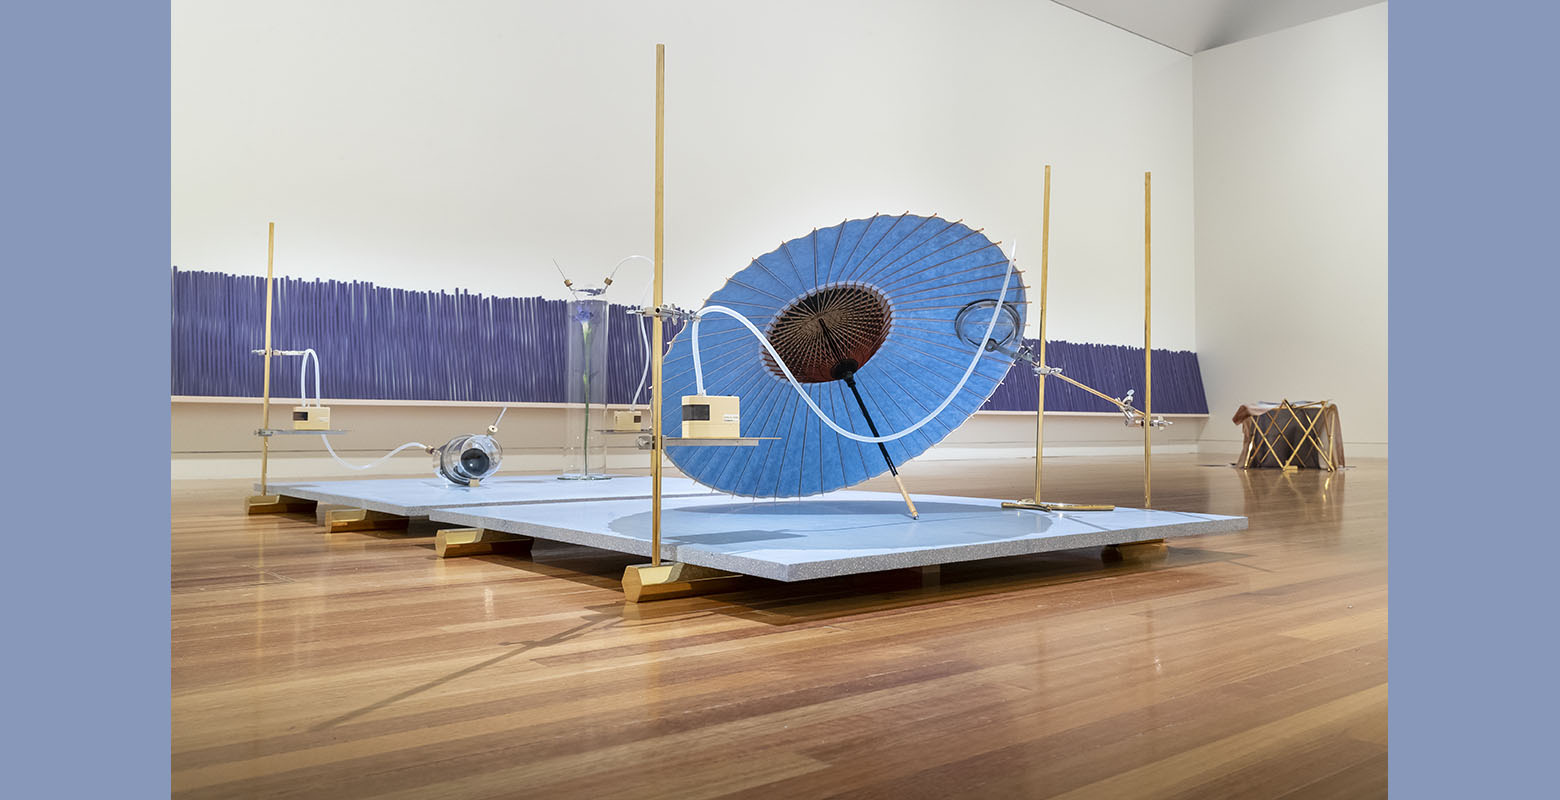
(1192, 26)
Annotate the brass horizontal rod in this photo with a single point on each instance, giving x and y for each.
(1095, 392)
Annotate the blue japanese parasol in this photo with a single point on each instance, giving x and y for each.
(885, 314)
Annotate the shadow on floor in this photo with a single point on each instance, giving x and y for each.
(823, 599)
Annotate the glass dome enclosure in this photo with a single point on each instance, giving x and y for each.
(467, 459)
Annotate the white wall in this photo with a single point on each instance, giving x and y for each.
(466, 144)
(1291, 199)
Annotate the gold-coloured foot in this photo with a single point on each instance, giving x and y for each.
(277, 504)
(1032, 505)
(1146, 550)
(643, 582)
(361, 519)
(454, 542)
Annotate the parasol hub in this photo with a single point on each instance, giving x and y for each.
(827, 328)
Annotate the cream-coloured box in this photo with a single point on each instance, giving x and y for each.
(311, 418)
(711, 416)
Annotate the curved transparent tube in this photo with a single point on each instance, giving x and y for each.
(644, 374)
(302, 375)
(613, 275)
(303, 372)
(382, 459)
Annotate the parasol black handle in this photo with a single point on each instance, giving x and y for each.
(846, 371)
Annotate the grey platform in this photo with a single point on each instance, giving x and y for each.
(842, 533)
(418, 497)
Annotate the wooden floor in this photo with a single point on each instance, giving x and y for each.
(357, 665)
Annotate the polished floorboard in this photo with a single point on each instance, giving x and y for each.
(356, 665)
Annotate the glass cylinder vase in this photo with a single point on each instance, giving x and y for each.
(585, 446)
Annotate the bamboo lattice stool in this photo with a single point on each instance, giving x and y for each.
(1291, 435)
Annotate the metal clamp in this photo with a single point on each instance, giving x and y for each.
(1027, 354)
(1134, 418)
(664, 312)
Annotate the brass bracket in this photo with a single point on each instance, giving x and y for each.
(277, 504)
(455, 542)
(645, 582)
(341, 520)
(1146, 550)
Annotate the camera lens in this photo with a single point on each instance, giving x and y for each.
(474, 462)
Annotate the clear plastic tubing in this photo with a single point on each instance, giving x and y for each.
(980, 349)
(303, 372)
(303, 390)
(382, 459)
(644, 374)
(620, 264)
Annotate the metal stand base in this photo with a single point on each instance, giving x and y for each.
(1032, 505)
(455, 542)
(643, 582)
(361, 519)
(1147, 550)
(277, 504)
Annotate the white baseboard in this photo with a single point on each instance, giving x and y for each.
(298, 466)
(941, 453)
(216, 439)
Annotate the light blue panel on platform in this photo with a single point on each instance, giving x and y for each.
(416, 497)
(842, 533)
(927, 269)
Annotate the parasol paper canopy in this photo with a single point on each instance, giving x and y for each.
(874, 298)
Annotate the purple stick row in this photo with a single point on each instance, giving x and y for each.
(383, 343)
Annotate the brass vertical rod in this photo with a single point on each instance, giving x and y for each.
(656, 323)
(265, 386)
(1148, 347)
(1036, 503)
(1045, 260)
